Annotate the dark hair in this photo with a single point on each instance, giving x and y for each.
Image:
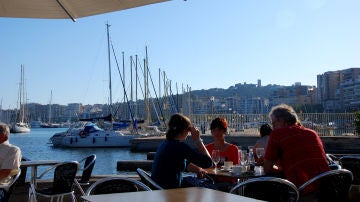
(265, 129)
(177, 124)
(219, 123)
(286, 112)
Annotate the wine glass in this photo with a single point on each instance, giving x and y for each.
(215, 155)
(260, 152)
(243, 157)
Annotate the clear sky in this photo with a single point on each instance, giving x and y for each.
(201, 43)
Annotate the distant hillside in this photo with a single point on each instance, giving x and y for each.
(240, 90)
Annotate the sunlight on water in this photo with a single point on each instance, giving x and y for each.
(34, 146)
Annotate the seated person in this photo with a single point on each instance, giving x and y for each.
(174, 155)
(299, 150)
(265, 131)
(10, 158)
(228, 152)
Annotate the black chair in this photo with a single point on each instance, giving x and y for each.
(7, 188)
(333, 161)
(352, 163)
(146, 179)
(116, 185)
(271, 189)
(22, 177)
(89, 163)
(62, 185)
(333, 185)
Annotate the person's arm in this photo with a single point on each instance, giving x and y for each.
(268, 166)
(196, 169)
(195, 135)
(195, 156)
(254, 149)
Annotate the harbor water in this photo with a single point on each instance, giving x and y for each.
(35, 146)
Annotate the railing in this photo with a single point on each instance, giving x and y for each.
(325, 124)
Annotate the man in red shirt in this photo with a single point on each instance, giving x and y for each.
(292, 149)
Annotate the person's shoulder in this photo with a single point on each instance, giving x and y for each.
(15, 147)
(211, 144)
(304, 129)
(10, 146)
(232, 146)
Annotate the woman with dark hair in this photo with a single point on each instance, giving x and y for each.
(173, 156)
(265, 130)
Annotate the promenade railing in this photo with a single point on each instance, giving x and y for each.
(325, 124)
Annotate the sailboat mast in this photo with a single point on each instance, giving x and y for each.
(123, 70)
(131, 83)
(146, 95)
(110, 88)
(22, 95)
(146, 65)
(136, 86)
(50, 107)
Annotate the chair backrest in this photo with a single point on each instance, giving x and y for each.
(116, 185)
(333, 161)
(333, 185)
(146, 179)
(23, 169)
(352, 163)
(64, 176)
(88, 167)
(271, 189)
(8, 187)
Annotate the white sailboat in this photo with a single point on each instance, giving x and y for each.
(49, 124)
(21, 126)
(91, 132)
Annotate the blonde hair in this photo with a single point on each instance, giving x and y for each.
(286, 112)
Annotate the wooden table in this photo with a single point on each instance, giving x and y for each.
(193, 194)
(35, 164)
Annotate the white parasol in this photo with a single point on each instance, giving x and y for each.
(62, 9)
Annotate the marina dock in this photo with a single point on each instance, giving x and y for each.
(332, 144)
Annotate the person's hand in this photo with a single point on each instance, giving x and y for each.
(195, 133)
(201, 173)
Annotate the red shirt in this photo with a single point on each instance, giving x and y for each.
(300, 153)
(230, 154)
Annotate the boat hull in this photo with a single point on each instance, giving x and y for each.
(20, 128)
(96, 139)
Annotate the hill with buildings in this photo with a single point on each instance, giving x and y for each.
(337, 91)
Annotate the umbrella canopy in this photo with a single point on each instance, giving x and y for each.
(62, 9)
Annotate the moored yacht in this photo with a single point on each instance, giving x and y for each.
(88, 134)
(20, 127)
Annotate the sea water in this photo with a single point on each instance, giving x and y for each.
(35, 146)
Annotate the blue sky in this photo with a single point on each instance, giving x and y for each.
(201, 43)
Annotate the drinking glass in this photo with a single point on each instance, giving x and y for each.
(260, 152)
(215, 155)
(243, 157)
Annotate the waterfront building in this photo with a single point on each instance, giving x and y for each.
(339, 91)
